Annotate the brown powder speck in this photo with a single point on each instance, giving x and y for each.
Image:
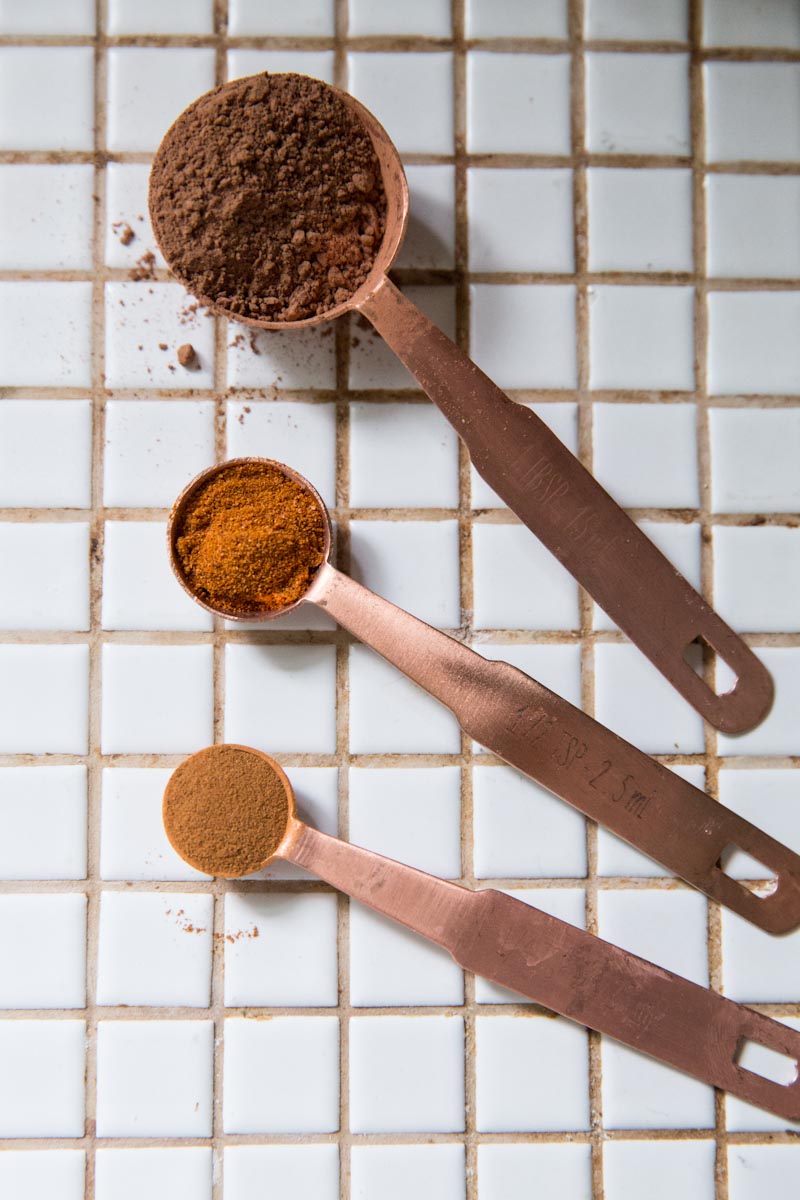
(145, 267)
(187, 355)
(124, 232)
(163, 346)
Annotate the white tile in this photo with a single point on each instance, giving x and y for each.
(148, 88)
(660, 1170)
(757, 577)
(154, 17)
(557, 667)
(777, 733)
(156, 1172)
(45, 333)
(47, 574)
(126, 208)
(414, 564)
(281, 699)
(43, 817)
(520, 219)
(752, 342)
(741, 1117)
(133, 844)
(282, 1075)
(680, 544)
(406, 1074)
(628, 20)
(301, 435)
(640, 220)
(559, 416)
(767, 798)
(523, 335)
(532, 1074)
(565, 903)
(634, 700)
(140, 319)
(665, 927)
(268, 358)
(385, 439)
(512, 1172)
(45, 453)
(155, 949)
(48, 17)
(153, 448)
(386, 83)
(758, 968)
(641, 337)
(522, 831)
(316, 793)
(317, 63)
(430, 238)
(758, 1171)
(518, 103)
(156, 699)
(752, 111)
(640, 1093)
(373, 365)
(306, 18)
(293, 1170)
(518, 583)
(637, 103)
(616, 857)
(646, 454)
(42, 1066)
(280, 949)
(139, 588)
(418, 18)
(44, 699)
(390, 965)
(60, 83)
(389, 805)
(391, 715)
(154, 1078)
(396, 1172)
(44, 951)
(46, 216)
(753, 225)
(28, 1174)
(754, 456)
(742, 23)
(516, 18)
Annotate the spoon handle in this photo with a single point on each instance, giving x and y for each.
(587, 531)
(565, 969)
(573, 755)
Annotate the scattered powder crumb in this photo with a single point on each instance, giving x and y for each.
(124, 232)
(163, 346)
(241, 416)
(254, 344)
(237, 342)
(187, 355)
(145, 267)
(235, 937)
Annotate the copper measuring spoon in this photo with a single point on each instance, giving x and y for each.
(543, 735)
(567, 970)
(541, 481)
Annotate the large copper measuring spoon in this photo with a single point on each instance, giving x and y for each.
(541, 734)
(247, 817)
(540, 480)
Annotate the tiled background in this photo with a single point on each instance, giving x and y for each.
(606, 212)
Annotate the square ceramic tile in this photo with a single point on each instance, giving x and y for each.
(385, 82)
(282, 1075)
(636, 702)
(301, 435)
(752, 342)
(62, 80)
(566, 904)
(385, 439)
(756, 967)
(748, 474)
(316, 792)
(518, 103)
(305, 18)
(640, 220)
(44, 951)
(281, 699)
(127, 214)
(667, 928)
(757, 577)
(522, 831)
(430, 238)
(48, 17)
(395, 1172)
(531, 1074)
(640, 1093)
(391, 715)
(406, 1074)
(641, 337)
(280, 950)
(637, 104)
(151, 16)
(148, 88)
(753, 225)
(32, 1173)
(758, 1171)
(156, 699)
(266, 358)
(156, 1172)
(746, 1118)
(45, 333)
(317, 63)
(680, 544)
(516, 18)
(47, 573)
(767, 798)
(627, 20)
(46, 216)
(45, 453)
(778, 733)
(139, 588)
(743, 101)
(140, 319)
(390, 965)
(557, 667)
(561, 418)
(512, 1172)
(617, 857)
(523, 335)
(646, 454)
(133, 844)
(154, 1078)
(418, 18)
(520, 220)
(42, 1065)
(659, 1170)
(414, 564)
(153, 448)
(44, 699)
(373, 365)
(43, 816)
(300, 1170)
(740, 23)
(155, 949)
(389, 805)
(518, 584)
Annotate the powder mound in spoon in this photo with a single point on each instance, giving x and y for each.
(250, 539)
(267, 200)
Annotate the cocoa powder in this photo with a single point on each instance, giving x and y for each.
(267, 200)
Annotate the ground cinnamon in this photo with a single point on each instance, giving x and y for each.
(266, 198)
(250, 539)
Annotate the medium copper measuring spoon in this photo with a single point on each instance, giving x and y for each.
(543, 735)
(567, 970)
(540, 480)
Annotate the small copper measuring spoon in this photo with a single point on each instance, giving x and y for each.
(541, 481)
(542, 735)
(567, 970)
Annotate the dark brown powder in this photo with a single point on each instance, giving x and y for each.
(266, 198)
(226, 810)
(187, 355)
